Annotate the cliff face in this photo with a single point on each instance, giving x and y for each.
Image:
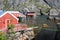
(18, 4)
(32, 5)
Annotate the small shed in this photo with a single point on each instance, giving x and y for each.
(31, 14)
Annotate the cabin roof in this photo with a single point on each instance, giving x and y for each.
(30, 12)
(3, 11)
(13, 11)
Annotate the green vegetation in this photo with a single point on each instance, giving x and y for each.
(6, 5)
(11, 28)
(2, 36)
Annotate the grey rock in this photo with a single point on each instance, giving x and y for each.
(53, 12)
(53, 3)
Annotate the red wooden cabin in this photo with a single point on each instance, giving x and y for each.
(7, 17)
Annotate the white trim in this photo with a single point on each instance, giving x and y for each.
(10, 14)
(13, 16)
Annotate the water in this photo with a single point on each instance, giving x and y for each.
(43, 20)
(50, 33)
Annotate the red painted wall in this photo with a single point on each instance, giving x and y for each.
(4, 18)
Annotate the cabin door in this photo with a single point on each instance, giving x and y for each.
(7, 22)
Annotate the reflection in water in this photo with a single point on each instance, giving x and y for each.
(50, 33)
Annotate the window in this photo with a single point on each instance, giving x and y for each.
(20, 19)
